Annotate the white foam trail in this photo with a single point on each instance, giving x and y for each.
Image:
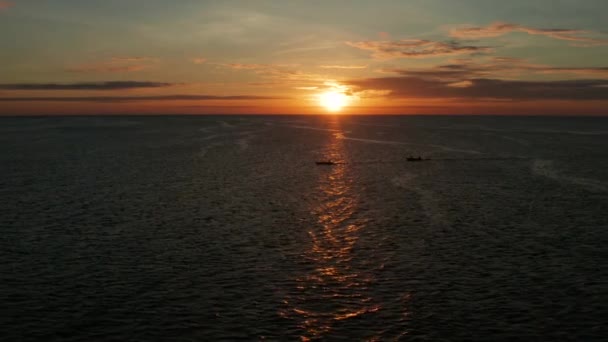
(428, 201)
(211, 137)
(546, 168)
(373, 125)
(451, 149)
(509, 138)
(312, 128)
(243, 143)
(590, 184)
(296, 122)
(570, 132)
(241, 138)
(373, 141)
(226, 124)
(392, 142)
(205, 149)
(515, 140)
(515, 130)
(404, 181)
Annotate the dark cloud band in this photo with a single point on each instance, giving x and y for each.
(415, 87)
(112, 85)
(417, 48)
(113, 99)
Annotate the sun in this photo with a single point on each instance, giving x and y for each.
(333, 101)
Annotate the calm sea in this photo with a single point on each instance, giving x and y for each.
(224, 228)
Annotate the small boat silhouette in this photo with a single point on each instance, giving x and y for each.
(415, 159)
(325, 162)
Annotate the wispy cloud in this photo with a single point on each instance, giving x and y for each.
(343, 66)
(131, 59)
(5, 5)
(111, 85)
(199, 60)
(416, 87)
(501, 28)
(496, 67)
(416, 48)
(284, 72)
(116, 64)
(113, 99)
(244, 66)
(106, 68)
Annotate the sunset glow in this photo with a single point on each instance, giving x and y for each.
(244, 57)
(336, 170)
(333, 101)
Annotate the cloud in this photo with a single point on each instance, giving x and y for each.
(595, 72)
(283, 72)
(114, 99)
(483, 88)
(106, 68)
(343, 66)
(116, 64)
(131, 59)
(496, 67)
(241, 66)
(384, 35)
(199, 60)
(501, 28)
(416, 48)
(5, 5)
(112, 85)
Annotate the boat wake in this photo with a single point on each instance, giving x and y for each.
(402, 143)
(428, 201)
(372, 141)
(546, 168)
(313, 128)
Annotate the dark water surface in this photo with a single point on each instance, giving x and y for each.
(223, 228)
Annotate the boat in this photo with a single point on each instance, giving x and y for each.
(415, 159)
(325, 162)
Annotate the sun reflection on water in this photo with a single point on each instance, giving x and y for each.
(335, 289)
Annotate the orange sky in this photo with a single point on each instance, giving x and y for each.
(209, 57)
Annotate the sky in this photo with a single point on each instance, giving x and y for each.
(85, 57)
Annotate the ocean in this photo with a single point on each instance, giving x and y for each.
(223, 228)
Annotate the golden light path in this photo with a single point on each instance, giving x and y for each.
(336, 290)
